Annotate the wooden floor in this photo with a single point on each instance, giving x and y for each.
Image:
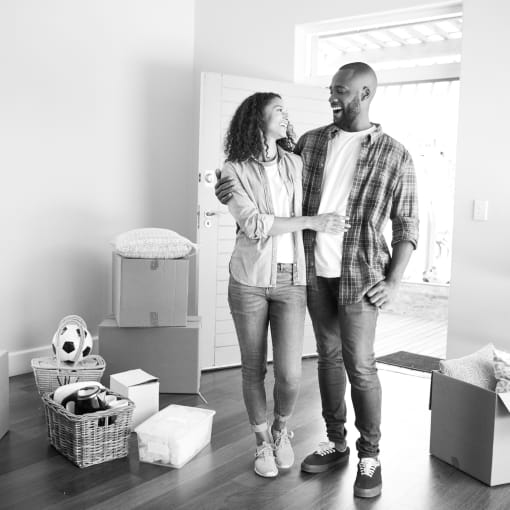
(34, 476)
(414, 334)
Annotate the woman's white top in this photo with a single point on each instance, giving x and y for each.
(281, 206)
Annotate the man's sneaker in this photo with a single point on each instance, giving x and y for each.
(283, 452)
(324, 458)
(368, 482)
(265, 464)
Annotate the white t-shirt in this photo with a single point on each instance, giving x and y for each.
(339, 172)
(281, 205)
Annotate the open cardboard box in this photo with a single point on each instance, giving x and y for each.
(470, 428)
(140, 387)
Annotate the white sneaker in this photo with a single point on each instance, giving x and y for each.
(283, 451)
(265, 464)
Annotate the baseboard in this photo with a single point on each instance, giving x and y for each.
(238, 365)
(20, 361)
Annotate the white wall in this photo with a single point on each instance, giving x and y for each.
(479, 296)
(95, 130)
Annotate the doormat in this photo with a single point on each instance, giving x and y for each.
(411, 361)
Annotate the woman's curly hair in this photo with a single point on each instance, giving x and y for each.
(245, 136)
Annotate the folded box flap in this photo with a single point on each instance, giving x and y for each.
(431, 385)
(134, 377)
(505, 398)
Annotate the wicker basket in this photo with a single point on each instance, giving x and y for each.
(92, 438)
(50, 374)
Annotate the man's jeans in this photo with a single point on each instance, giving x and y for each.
(283, 308)
(345, 342)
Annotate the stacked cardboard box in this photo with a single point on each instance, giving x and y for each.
(150, 328)
(150, 292)
(4, 393)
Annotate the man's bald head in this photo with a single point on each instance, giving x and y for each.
(362, 75)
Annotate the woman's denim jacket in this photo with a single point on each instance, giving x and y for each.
(253, 260)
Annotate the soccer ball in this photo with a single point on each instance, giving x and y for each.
(67, 339)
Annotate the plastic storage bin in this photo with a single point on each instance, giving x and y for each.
(174, 435)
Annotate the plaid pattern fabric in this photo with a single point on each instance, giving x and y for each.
(384, 188)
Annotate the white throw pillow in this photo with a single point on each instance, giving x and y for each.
(502, 371)
(476, 368)
(153, 243)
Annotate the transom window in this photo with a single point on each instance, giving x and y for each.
(403, 46)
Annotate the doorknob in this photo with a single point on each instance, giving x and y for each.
(209, 178)
(208, 217)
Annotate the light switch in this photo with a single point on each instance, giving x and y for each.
(480, 210)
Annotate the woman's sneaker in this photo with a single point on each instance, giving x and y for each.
(368, 482)
(265, 464)
(324, 458)
(283, 452)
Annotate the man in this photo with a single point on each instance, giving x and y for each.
(353, 168)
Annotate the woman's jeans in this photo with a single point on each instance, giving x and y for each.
(345, 337)
(283, 309)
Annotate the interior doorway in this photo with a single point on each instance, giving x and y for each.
(423, 116)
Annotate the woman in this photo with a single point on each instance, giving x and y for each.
(267, 267)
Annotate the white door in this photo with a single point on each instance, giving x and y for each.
(220, 95)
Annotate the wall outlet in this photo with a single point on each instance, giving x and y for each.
(480, 210)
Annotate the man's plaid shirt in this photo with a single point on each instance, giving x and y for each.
(384, 188)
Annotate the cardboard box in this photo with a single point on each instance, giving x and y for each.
(150, 292)
(470, 428)
(140, 387)
(4, 393)
(174, 435)
(169, 353)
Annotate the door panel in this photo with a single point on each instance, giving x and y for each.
(220, 96)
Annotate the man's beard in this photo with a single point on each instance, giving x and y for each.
(350, 114)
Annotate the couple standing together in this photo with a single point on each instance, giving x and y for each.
(310, 233)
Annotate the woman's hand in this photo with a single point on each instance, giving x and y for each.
(223, 188)
(330, 223)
